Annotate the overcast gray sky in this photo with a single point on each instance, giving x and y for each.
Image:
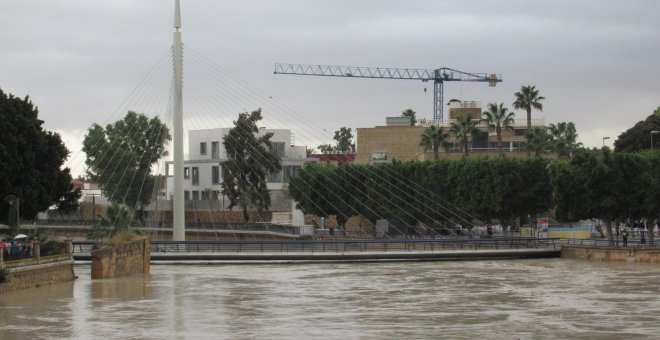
(596, 62)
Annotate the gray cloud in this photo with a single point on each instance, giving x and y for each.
(595, 61)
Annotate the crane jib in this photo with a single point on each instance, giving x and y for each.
(439, 76)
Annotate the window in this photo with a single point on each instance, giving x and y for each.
(521, 132)
(202, 148)
(205, 195)
(195, 175)
(278, 149)
(186, 195)
(186, 173)
(378, 157)
(275, 177)
(215, 174)
(289, 171)
(215, 150)
(195, 195)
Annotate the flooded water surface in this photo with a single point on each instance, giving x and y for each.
(545, 298)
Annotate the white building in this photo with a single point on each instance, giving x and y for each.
(202, 173)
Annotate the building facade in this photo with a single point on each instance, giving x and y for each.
(202, 172)
(399, 140)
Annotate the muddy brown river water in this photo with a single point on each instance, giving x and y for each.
(543, 298)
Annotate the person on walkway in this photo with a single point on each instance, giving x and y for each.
(29, 248)
(624, 235)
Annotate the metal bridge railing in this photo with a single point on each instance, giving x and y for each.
(312, 246)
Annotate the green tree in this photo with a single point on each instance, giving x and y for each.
(498, 117)
(344, 139)
(31, 160)
(410, 113)
(638, 137)
(251, 158)
(117, 218)
(538, 141)
(120, 157)
(68, 202)
(528, 98)
(464, 128)
(433, 137)
(326, 148)
(564, 139)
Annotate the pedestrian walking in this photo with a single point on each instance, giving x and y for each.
(624, 235)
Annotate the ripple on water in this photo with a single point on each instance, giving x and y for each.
(549, 298)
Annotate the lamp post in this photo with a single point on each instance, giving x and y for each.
(654, 132)
(604, 138)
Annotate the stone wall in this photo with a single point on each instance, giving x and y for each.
(611, 254)
(39, 275)
(122, 259)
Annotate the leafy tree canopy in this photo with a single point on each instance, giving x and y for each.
(638, 137)
(251, 158)
(31, 159)
(120, 157)
(343, 142)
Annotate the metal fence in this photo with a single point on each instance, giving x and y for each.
(634, 243)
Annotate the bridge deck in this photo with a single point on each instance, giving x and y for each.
(366, 250)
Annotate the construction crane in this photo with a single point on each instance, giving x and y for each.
(439, 76)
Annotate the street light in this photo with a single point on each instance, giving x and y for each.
(654, 132)
(604, 138)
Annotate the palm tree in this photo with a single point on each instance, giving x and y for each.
(498, 117)
(538, 141)
(465, 127)
(118, 217)
(528, 98)
(410, 113)
(432, 138)
(564, 138)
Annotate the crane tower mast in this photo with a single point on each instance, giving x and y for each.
(438, 76)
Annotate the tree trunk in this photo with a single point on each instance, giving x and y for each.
(608, 227)
(498, 131)
(466, 147)
(246, 216)
(650, 222)
(435, 151)
(529, 127)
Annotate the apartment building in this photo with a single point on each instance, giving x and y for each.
(202, 172)
(397, 139)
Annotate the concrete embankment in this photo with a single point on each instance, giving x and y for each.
(447, 255)
(611, 254)
(36, 275)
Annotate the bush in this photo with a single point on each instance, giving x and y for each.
(4, 275)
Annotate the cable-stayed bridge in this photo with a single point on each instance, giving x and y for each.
(197, 98)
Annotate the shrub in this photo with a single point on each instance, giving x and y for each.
(4, 275)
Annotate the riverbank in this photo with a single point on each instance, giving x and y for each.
(611, 254)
